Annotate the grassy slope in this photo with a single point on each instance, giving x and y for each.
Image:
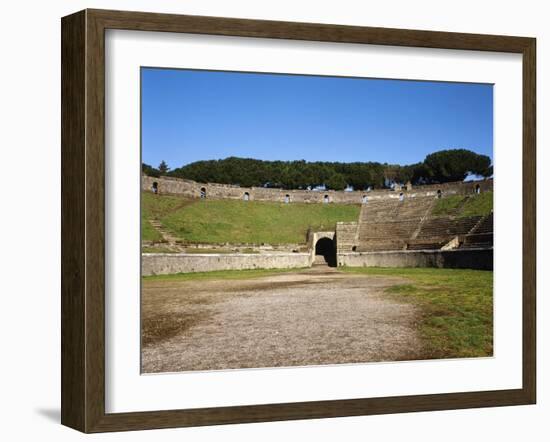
(154, 207)
(148, 233)
(447, 205)
(457, 307)
(481, 204)
(211, 221)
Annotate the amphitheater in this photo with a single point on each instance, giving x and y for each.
(395, 228)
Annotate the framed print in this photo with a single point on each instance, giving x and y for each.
(268, 220)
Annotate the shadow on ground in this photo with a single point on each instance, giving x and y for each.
(51, 414)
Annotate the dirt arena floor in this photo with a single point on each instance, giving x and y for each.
(316, 316)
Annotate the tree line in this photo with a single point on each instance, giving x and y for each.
(438, 167)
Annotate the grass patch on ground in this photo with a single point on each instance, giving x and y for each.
(481, 204)
(447, 205)
(155, 207)
(148, 232)
(238, 222)
(220, 274)
(456, 305)
(473, 205)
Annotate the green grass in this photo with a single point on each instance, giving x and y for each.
(155, 207)
(456, 305)
(148, 232)
(226, 221)
(220, 274)
(474, 205)
(447, 205)
(232, 221)
(481, 204)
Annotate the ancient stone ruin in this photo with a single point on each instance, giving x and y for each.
(395, 228)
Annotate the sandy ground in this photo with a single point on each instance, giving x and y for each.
(311, 317)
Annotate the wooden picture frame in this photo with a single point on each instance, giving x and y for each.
(83, 220)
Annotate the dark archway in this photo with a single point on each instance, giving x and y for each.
(478, 188)
(325, 248)
(246, 196)
(203, 192)
(155, 187)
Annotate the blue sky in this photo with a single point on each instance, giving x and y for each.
(190, 115)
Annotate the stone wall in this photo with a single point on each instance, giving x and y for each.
(192, 189)
(168, 263)
(481, 259)
(346, 236)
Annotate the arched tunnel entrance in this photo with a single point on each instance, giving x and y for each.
(325, 250)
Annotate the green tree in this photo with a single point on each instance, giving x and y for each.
(336, 182)
(456, 164)
(442, 166)
(163, 168)
(149, 170)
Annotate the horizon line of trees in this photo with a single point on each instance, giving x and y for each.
(439, 167)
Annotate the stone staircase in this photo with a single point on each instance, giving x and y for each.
(320, 260)
(389, 224)
(171, 240)
(408, 225)
(481, 235)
